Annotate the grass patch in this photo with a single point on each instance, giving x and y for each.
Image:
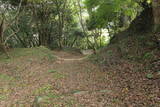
(58, 75)
(45, 95)
(44, 90)
(53, 96)
(4, 77)
(37, 52)
(2, 97)
(70, 102)
(52, 71)
(47, 91)
(4, 92)
(148, 55)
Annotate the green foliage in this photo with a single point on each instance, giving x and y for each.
(4, 77)
(64, 23)
(2, 97)
(15, 2)
(103, 12)
(149, 76)
(58, 75)
(148, 55)
(44, 90)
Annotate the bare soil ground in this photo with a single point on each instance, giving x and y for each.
(72, 81)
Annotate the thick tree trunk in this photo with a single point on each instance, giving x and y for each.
(156, 14)
(141, 24)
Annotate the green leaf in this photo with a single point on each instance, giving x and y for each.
(149, 76)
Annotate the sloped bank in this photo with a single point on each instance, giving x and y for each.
(132, 61)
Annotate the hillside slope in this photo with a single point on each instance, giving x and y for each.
(133, 61)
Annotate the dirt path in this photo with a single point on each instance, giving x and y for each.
(63, 56)
(83, 81)
(70, 81)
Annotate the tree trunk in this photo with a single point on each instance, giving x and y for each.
(156, 15)
(2, 46)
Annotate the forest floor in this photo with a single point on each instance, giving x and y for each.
(70, 81)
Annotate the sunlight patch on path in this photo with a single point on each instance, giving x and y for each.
(71, 59)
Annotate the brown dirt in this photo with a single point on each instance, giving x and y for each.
(72, 81)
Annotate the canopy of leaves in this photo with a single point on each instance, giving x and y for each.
(103, 12)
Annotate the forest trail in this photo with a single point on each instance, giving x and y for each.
(73, 81)
(63, 56)
(70, 81)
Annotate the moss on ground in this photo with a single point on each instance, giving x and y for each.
(5, 77)
(37, 52)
